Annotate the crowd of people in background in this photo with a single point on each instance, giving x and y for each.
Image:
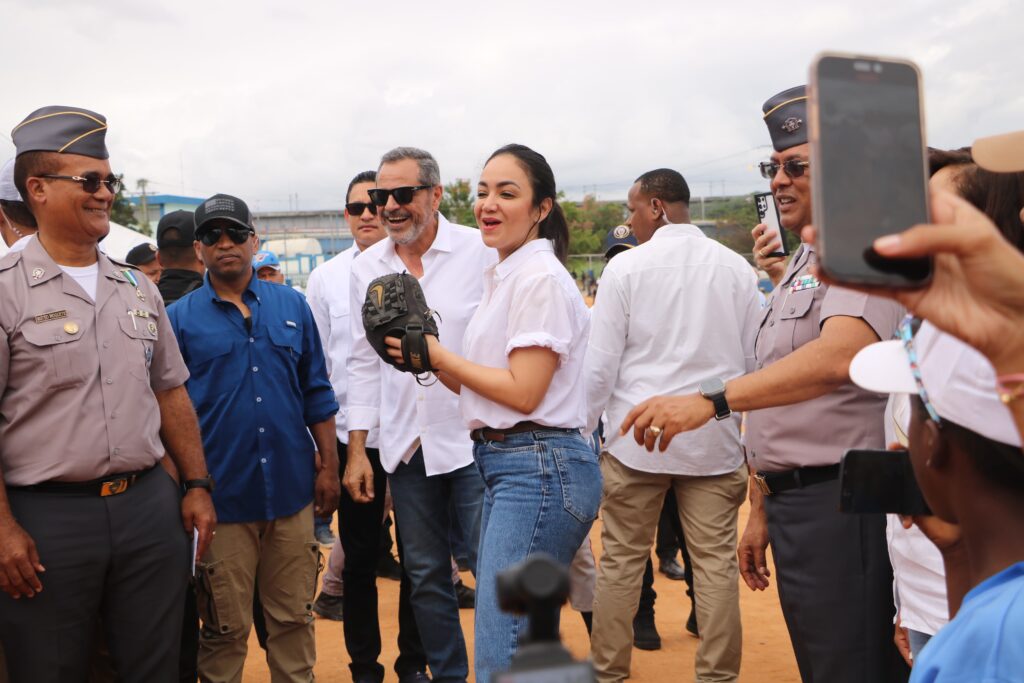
(177, 431)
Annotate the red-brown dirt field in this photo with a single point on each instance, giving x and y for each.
(767, 655)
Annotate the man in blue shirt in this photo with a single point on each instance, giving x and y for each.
(259, 385)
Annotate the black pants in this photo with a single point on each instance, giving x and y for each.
(359, 528)
(835, 587)
(121, 559)
(670, 538)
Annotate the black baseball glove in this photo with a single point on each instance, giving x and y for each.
(395, 307)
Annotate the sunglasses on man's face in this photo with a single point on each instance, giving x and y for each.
(91, 181)
(794, 168)
(402, 195)
(357, 208)
(237, 235)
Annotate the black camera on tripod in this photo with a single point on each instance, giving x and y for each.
(538, 587)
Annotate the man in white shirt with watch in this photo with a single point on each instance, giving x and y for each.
(671, 317)
(424, 445)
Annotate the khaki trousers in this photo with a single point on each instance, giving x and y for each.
(630, 510)
(282, 557)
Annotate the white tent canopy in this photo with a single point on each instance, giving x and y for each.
(118, 242)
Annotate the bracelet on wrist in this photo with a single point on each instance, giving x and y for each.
(1010, 387)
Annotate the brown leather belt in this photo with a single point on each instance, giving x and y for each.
(776, 482)
(482, 434)
(111, 485)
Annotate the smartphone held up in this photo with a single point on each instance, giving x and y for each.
(869, 157)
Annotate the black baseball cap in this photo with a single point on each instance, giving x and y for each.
(222, 207)
(184, 222)
(141, 254)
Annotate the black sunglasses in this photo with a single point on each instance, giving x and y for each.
(238, 235)
(91, 181)
(357, 208)
(402, 195)
(794, 168)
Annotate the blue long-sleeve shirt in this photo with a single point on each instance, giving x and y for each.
(255, 391)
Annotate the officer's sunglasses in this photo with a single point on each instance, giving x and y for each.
(357, 208)
(91, 181)
(402, 195)
(794, 168)
(237, 235)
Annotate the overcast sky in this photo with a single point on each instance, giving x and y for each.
(271, 101)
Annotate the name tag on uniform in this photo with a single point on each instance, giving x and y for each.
(46, 317)
(805, 282)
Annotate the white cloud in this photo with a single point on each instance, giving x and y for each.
(269, 100)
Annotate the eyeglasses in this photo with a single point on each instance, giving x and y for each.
(238, 235)
(91, 181)
(402, 195)
(794, 168)
(907, 335)
(357, 208)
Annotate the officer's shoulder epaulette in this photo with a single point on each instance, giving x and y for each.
(119, 264)
(9, 260)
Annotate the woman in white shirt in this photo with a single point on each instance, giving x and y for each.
(521, 390)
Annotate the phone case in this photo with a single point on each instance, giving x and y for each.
(768, 213)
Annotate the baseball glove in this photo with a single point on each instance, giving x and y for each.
(395, 307)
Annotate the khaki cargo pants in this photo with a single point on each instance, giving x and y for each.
(282, 557)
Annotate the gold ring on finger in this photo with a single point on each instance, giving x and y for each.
(655, 430)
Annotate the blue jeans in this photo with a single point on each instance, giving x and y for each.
(917, 641)
(543, 489)
(423, 510)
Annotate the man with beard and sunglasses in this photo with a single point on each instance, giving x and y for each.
(259, 384)
(92, 392)
(424, 445)
(350, 580)
(835, 581)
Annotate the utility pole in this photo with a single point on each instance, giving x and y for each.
(141, 183)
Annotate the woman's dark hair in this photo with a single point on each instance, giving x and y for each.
(1000, 196)
(542, 181)
(938, 159)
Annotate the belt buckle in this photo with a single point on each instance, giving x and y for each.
(762, 484)
(113, 487)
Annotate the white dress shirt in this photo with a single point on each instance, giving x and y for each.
(410, 415)
(529, 299)
(671, 313)
(327, 292)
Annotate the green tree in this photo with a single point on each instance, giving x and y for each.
(123, 213)
(457, 202)
(589, 222)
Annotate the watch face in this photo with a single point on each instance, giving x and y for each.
(710, 387)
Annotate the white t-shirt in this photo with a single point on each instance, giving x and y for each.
(85, 276)
(529, 299)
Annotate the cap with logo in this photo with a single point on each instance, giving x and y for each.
(785, 115)
(959, 381)
(266, 259)
(141, 254)
(619, 239)
(181, 225)
(66, 130)
(222, 207)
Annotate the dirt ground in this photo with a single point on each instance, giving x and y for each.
(767, 655)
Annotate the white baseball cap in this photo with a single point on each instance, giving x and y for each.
(8, 192)
(960, 382)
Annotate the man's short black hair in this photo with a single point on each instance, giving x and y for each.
(362, 177)
(34, 164)
(18, 212)
(174, 255)
(665, 184)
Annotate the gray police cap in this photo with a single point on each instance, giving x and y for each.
(65, 130)
(785, 115)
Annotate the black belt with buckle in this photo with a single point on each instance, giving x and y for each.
(776, 482)
(110, 485)
(483, 434)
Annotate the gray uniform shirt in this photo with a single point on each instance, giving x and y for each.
(77, 377)
(819, 431)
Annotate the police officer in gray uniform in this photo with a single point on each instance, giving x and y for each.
(835, 581)
(91, 400)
